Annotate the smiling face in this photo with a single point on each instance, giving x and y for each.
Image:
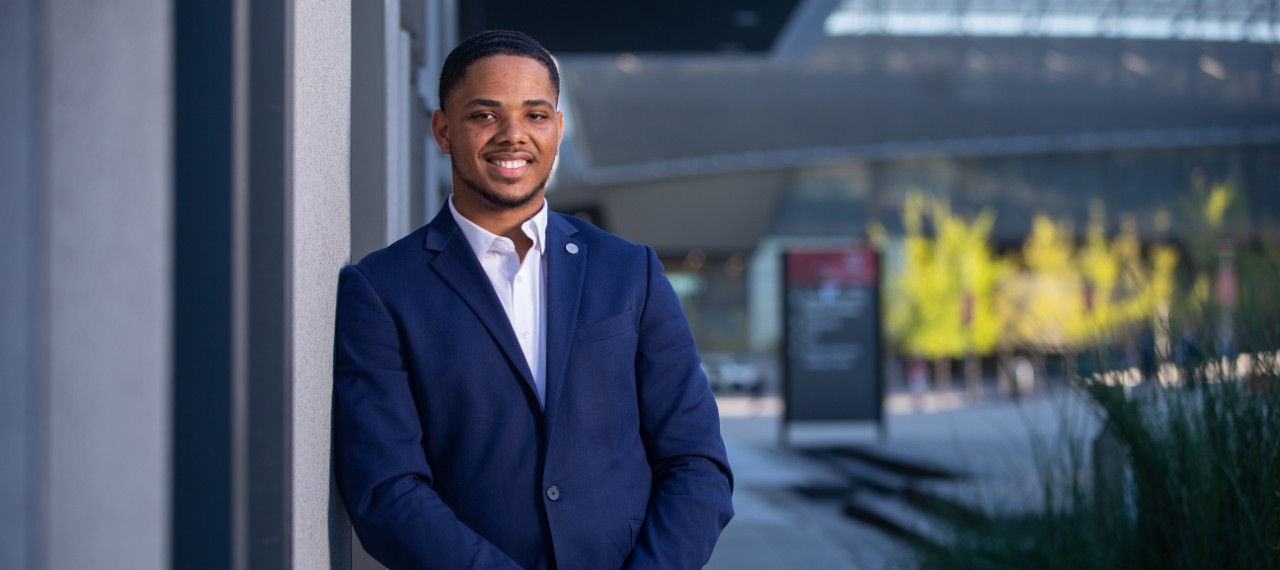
(501, 131)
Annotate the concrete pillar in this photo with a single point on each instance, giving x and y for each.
(321, 242)
(372, 150)
(86, 217)
(18, 255)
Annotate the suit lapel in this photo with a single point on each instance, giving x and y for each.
(457, 266)
(566, 269)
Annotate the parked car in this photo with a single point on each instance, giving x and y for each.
(728, 373)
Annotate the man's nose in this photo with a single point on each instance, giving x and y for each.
(511, 131)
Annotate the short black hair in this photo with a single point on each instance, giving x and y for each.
(490, 43)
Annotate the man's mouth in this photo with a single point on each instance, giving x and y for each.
(509, 163)
(508, 166)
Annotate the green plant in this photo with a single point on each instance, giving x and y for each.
(1196, 485)
(942, 302)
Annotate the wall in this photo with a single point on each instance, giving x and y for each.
(321, 242)
(103, 168)
(17, 296)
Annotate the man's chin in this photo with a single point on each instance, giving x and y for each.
(500, 192)
(507, 200)
(511, 202)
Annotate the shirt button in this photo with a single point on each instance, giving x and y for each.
(524, 334)
(553, 493)
(519, 279)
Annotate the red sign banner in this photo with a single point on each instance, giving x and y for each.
(853, 267)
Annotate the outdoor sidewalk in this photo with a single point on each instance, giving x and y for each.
(776, 527)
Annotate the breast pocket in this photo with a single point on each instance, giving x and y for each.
(617, 325)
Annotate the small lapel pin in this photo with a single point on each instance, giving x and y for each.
(571, 248)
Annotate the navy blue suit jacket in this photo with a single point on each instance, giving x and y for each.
(443, 456)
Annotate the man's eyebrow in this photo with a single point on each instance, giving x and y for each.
(482, 102)
(478, 102)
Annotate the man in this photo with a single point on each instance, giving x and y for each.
(514, 388)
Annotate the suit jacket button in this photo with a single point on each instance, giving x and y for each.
(553, 493)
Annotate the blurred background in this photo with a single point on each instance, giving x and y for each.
(1055, 190)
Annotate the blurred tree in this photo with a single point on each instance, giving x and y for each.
(1231, 299)
(941, 304)
(1122, 288)
(1040, 302)
(1069, 298)
(952, 296)
(1101, 270)
(1212, 216)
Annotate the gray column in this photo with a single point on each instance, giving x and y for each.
(103, 328)
(321, 242)
(269, 389)
(370, 176)
(17, 294)
(210, 89)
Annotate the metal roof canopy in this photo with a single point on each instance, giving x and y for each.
(581, 26)
(676, 150)
(1220, 20)
(880, 97)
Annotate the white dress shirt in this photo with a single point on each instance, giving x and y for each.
(520, 285)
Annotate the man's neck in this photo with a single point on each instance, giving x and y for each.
(504, 222)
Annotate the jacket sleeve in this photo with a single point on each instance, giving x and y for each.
(382, 473)
(680, 425)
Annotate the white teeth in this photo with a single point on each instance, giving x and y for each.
(511, 163)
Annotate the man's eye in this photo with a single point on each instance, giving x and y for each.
(483, 116)
(537, 116)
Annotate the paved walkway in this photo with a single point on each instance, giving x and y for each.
(777, 528)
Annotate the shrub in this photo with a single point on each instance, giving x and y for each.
(1192, 481)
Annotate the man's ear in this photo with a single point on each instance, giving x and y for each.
(440, 130)
(560, 123)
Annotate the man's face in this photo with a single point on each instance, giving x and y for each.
(501, 131)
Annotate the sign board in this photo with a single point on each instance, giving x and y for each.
(831, 347)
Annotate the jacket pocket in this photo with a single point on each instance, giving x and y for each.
(610, 327)
(635, 532)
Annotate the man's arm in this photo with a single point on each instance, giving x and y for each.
(680, 426)
(382, 472)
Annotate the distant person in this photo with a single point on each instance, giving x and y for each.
(1148, 358)
(1189, 356)
(1024, 377)
(513, 387)
(918, 383)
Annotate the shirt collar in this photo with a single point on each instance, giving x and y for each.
(481, 239)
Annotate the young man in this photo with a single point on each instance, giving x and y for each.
(514, 388)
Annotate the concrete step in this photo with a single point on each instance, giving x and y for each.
(893, 493)
(863, 474)
(897, 461)
(898, 516)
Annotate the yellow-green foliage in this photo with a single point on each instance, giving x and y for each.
(927, 296)
(1215, 206)
(1067, 298)
(1039, 302)
(1035, 300)
(1216, 219)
